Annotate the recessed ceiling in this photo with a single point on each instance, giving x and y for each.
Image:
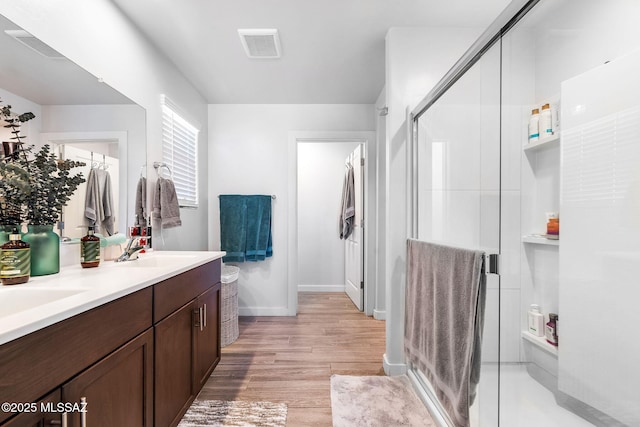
(333, 51)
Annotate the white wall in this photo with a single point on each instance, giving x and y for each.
(379, 310)
(416, 59)
(321, 167)
(31, 129)
(99, 38)
(248, 154)
(100, 118)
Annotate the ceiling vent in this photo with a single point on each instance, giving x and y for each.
(34, 43)
(263, 44)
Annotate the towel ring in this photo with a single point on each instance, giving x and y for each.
(158, 165)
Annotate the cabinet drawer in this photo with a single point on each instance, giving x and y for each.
(41, 361)
(118, 389)
(38, 418)
(171, 294)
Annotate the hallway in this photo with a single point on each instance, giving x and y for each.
(291, 359)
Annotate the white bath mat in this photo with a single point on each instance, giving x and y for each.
(376, 401)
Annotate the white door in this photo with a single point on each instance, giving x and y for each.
(354, 244)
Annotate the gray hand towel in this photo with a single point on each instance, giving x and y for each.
(108, 221)
(348, 206)
(444, 318)
(92, 203)
(165, 204)
(141, 202)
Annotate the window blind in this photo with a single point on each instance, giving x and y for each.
(179, 152)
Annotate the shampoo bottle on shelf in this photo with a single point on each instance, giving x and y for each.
(551, 331)
(15, 260)
(553, 225)
(546, 123)
(534, 130)
(536, 321)
(90, 249)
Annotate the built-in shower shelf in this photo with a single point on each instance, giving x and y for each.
(539, 239)
(540, 342)
(550, 141)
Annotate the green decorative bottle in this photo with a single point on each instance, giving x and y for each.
(5, 230)
(45, 249)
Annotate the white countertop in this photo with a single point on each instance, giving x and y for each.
(46, 300)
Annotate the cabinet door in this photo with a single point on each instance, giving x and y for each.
(174, 339)
(207, 350)
(39, 418)
(118, 389)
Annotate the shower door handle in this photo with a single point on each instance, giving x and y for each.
(492, 264)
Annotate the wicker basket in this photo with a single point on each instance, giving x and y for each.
(229, 305)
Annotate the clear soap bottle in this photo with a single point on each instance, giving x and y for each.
(15, 260)
(90, 249)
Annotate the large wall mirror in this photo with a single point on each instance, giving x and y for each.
(82, 119)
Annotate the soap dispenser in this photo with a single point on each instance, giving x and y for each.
(536, 321)
(15, 260)
(90, 249)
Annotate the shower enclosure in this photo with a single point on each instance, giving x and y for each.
(479, 181)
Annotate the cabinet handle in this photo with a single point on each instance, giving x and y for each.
(83, 415)
(204, 316)
(196, 317)
(62, 421)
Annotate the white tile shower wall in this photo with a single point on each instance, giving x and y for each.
(598, 264)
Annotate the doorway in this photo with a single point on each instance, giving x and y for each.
(313, 266)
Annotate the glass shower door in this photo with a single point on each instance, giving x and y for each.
(458, 193)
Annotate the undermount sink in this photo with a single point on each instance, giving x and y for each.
(16, 299)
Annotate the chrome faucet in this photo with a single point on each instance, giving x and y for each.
(132, 250)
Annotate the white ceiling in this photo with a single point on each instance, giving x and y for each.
(46, 81)
(332, 50)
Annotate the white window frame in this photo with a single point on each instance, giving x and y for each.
(180, 152)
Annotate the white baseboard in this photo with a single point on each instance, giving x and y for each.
(393, 369)
(380, 314)
(321, 288)
(263, 311)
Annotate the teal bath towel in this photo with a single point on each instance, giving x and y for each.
(258, 228)
(233, 230)
(245, 227)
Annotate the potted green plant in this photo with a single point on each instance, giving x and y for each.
(14, 182)
(42, 186)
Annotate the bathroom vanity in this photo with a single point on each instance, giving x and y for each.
(135, 341)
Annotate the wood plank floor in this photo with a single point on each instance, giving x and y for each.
(291, 359)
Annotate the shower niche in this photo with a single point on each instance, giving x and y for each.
(480, 184)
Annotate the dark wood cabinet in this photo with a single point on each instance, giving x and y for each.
(118, 390)
(174, 391)
(207, 336)
(42, 416)
(42, 361)
(187, 339)
(138, 361)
